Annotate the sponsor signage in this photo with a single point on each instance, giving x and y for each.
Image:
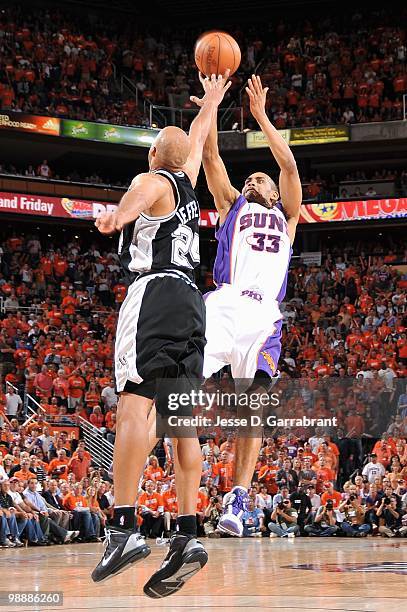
(72, 208)
(47, 206)
(319, 135)
(30, 123)
(104, 132)
(71, 128)
(301, 136)
(257, 140)
(143, 137)
(311, 258)
(355, 210)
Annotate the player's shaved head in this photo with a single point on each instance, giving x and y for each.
(170, 149)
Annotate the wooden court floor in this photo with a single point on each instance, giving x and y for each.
(301, 574)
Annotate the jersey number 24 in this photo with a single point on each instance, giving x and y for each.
(185, 243)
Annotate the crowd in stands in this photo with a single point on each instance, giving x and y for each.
(46, 171)
(335, 69)
(318, 188)
(342, 320)
(49, 493)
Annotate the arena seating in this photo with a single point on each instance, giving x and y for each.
(351, 185)
(343, 69)
(344, 319)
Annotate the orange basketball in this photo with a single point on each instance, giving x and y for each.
(215, 52)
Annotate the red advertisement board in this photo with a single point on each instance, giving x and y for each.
(30, 123)
(48, 206)
(390, 208)
(71, 208)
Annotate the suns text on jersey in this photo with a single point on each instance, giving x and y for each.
(263, 220)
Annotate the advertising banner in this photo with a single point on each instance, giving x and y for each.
(105, 132)
(311, 258)
(79, 129)
(301, 136)
(257, 140)
(319, 135)
(72, 208)
(73, 128)
(355, 210)
(35, 124)
(48, 206)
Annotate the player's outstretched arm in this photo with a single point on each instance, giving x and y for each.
(145, 190)
(224, 194)
(290, 184)
(198, 132)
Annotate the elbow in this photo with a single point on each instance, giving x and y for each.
(290, 166)
(210, 155)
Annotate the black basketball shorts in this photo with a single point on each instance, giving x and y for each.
(160, 334)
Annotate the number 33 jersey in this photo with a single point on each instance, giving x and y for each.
(254, 250)
(163, 243)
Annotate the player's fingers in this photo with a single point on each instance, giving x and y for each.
(255, 84)
(196, 100)
(265, 90)
(259, 82)
(250, 93)
(227, 85)
(250, 85)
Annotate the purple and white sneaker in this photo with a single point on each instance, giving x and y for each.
(234, 505)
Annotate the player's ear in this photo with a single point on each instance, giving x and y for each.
(274, 195)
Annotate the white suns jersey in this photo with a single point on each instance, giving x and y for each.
(254, 250)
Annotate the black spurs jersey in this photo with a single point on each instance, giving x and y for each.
(163, 243)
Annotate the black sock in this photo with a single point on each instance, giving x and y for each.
(124, 517)
(186, 525)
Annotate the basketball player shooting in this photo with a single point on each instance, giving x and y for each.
(160, 334)
(243, 319)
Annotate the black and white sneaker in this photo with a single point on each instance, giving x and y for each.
(122, 549)
(185, 558)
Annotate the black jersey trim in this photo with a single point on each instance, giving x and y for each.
(169, 176)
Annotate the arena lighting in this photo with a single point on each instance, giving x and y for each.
(147, 139)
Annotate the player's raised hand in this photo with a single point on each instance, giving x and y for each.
(257, 95)
(214, 87)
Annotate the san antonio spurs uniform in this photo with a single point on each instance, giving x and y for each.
(161, 326)
(243, 319)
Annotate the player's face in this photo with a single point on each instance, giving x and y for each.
(258, 187)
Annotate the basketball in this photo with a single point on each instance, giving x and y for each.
(216, 52)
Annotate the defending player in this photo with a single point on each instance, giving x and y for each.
(160, 334)
(243, 319)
